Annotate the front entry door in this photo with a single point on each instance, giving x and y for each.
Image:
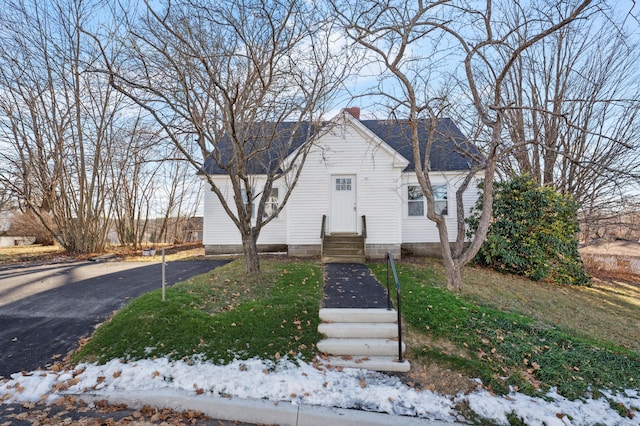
(343, 204)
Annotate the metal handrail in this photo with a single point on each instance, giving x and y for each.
(391, 267)
(364, 226)
(324, 224)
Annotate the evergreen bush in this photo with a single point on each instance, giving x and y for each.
(533, 233)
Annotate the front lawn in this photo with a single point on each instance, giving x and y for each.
(511, 339)
(505, 348)
(220, 316)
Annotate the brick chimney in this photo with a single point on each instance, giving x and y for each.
(354, 111)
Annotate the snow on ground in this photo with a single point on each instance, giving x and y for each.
(306, 384)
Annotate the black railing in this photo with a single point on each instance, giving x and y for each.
(322, 234)
(324, 224)
(391, 268)
(364, 227)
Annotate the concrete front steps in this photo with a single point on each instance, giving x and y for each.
(361, 338)
(343, 248)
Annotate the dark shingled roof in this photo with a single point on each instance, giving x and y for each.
(450, 151)
(284, 139)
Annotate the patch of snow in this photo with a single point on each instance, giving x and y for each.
(301, 383)
(553, 409)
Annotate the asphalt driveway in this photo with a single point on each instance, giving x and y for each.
(46, 309)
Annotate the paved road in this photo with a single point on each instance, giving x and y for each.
(45, 309)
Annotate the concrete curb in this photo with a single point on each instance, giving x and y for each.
(259, 411)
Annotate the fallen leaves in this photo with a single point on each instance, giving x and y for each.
(69, 410)
(62, 386)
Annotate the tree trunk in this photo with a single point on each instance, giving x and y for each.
(454, 275)
(451, 265)
(250, 248)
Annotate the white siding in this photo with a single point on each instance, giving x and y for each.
(346, 151)
(381, 196)
(422, 230)
(218, 226)
(275, 232)
(219, 229)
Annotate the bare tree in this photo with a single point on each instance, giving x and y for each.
(579, 133)
(423, 47)
(136, 159)
(76, 154)
(7, 198)
(180, 192)
(242, 80)
(150, 180)
(57, 118)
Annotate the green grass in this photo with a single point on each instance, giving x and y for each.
(220, 316)
(505, 348)
(226, 315)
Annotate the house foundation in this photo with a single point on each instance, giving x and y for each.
(379, 251)
(372, 251)
(217, 249)
(304, 250)
(422, 249)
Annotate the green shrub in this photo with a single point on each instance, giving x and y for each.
(533, 233)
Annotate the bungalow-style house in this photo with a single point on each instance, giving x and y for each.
(358, 179)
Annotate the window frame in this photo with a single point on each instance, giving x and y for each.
(245, 201)
(415, 191)
(440, 195)
(440, 200)
(269, 202)
(343, 183)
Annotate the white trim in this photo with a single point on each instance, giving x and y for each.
(405, 199)
(278, 201)
(346, 118)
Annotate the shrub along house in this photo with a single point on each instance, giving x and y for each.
(358, 183)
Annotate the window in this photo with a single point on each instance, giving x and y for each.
(245, 201)
(271, 204)
(415, 200)
(440, 197)
(343, 184)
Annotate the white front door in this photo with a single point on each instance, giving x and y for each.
(343, 204)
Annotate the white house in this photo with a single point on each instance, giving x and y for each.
(358, 179)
